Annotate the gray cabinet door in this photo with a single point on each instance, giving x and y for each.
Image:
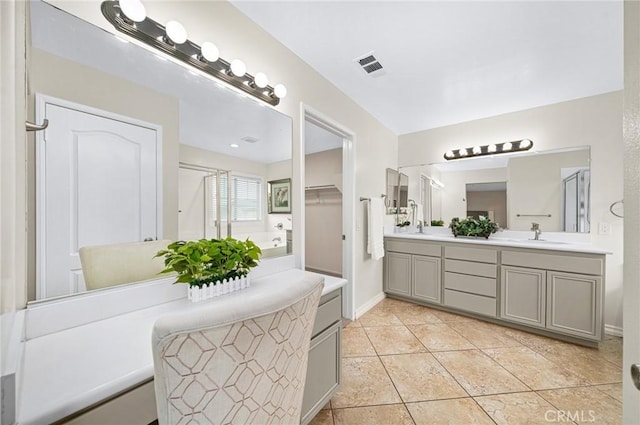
(397, 275)
(427, 278)
(574, 304)
(523, 295)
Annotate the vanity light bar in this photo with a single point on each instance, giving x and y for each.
(152, 33)
(498, 148)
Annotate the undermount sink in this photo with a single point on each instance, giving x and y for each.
(545, 241)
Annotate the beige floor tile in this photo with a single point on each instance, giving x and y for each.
(519, 408)
(392, 303)
(327, 406)
(611, 349)
(419, 377)
(355, 343)
(535, 370)
(478, 373)
(352, 324)
(394, 414)
(394, 340)
(379, 317)
(440, 337)
(324, 417)
(585, 405)
(613, 390)
(531, 340)
(449, 412)
(416, 315)
(364, 383)
(585, 362)
(484, 335)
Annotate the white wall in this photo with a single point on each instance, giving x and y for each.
(490, 200)
(376, 147)
(593, 121)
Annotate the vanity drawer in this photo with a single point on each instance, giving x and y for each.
(468, 267)
(469, 302)
(471, 254)
(411, 247)
(329, 312)
(473, 284)
(556, 261)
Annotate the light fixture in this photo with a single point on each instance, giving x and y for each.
(209, 51)
(238, 68)
(133, 9)
(172, 40)
(261, 80)
(280, 91)
(234, 145)
(493, 149)
(176, 32)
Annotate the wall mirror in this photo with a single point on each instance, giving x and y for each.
(212, 151)
(551, 188)
(396, 199)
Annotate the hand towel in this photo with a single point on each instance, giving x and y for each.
(375, 234)
(419, 215)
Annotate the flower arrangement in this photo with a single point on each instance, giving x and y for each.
(470, 226)
(402, 220)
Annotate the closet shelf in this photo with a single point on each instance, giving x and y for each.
(322, 187)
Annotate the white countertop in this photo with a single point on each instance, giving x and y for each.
(66, 371)
(503, 240)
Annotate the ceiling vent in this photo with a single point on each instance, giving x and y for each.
(370, 64)
(249, 139)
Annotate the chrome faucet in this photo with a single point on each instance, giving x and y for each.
(536, 231)
(420, 226)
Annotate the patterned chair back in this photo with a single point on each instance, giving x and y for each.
(238, 359)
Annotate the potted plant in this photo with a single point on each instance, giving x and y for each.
(211, 267)
(437, 223)
(474, 227)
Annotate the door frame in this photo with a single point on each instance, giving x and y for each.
(307, 113)
(41, 102)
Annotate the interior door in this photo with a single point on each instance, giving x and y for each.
(97, 179)
(570, 188)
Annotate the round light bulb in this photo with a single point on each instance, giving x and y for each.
(280, 90)
(210, 51)
(261, 80)
(238, 68)
(448, 154)
(133, 9)
(462, 152)
(234, 145)
(507, 146)
(477, 150)
(491, 148)
(525, 143)
(176, 32)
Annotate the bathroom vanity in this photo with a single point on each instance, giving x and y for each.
(552, 288)
(102, 371)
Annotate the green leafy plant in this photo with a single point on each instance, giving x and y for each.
(209, 260)
(402, 220)
(470, 226)
(439, 223)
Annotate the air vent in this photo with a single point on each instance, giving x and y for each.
(249, 139)
(370, 64)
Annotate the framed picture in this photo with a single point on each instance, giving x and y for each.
(279, 196)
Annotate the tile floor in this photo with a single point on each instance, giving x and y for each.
(407, 364)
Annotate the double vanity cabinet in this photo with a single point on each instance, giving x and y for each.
(558, 292)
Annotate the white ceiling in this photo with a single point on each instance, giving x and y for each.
(453, 61)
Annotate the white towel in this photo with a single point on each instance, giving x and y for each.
(419, 215)
(375, 237)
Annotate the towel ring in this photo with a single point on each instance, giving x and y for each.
(621, 202)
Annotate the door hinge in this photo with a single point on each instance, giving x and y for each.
(344, 238)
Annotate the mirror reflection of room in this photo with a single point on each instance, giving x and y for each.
(150, 160)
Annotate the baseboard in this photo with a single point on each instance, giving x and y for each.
(612, 330)
(369, 304)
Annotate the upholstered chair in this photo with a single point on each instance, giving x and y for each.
(115, 264)
(237, 359)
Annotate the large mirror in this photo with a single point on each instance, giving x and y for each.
(549, 187)
(397, 196)
(155, 150)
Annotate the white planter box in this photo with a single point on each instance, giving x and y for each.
(218, 288)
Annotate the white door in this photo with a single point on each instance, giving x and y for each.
(98, 185)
